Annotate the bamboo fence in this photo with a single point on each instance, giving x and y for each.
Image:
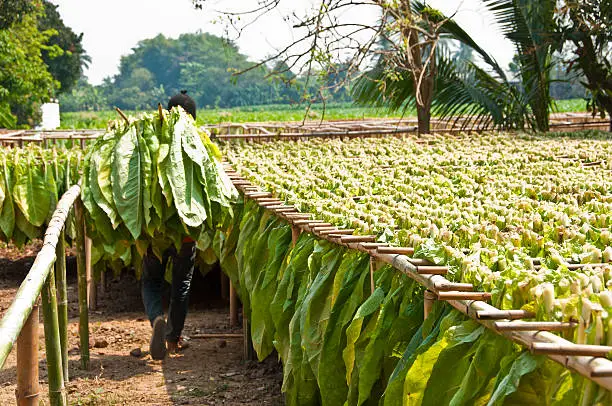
(587, 360)
(20, 322)
(314, 129)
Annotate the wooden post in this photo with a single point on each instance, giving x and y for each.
(57, 391)
(62, 300)
(248, 341)
(429, 298)
(295, 234)
(233, 305)
(27, 362)
(103, 282)
(372, 270)
(92, 292)
(224, 285)
(82, 284)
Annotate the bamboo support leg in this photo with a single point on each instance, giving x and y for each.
(92, 290)
(82, 284)
(249, 354)
(224, 285)
(372, 270)
(429, 299)
(57, 390)
(103, 283)
(27, 362)
(295, 234)
(62, 300)
(233, 305)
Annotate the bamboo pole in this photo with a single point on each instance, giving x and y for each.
(356, 238)
(28, 388)
(57, 391)
(429, 298)
(457, 295)
(373, 245)
(432, 270)
(533, 326)
(27, 295)
(103, 282)
(464, 287)
(373, 268)
(92, 289)
(62, 300)
(248, 341)
(224, 282)
(295, 234)
(82, 284)
(504, 314)
(346, 231)
(569, 348)
(396, 250)
(233, 305)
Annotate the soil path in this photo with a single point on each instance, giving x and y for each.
(209, 372)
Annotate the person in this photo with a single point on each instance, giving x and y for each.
(166, 336)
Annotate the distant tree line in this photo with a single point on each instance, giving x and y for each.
(40, 58)
(205, 65)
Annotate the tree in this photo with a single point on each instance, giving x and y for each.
(327, 37)
(530, 27)
(64, 56)
(585, 26)
(24, 79)
(13, 11)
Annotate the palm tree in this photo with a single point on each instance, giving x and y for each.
(463, 87)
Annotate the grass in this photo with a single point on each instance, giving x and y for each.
(274, 112)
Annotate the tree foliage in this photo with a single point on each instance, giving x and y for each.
(201, 63)
(13, 11)
(67, 58)
(584, 25)
(24, 79)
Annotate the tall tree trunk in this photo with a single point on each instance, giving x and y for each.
(426, 93)
(424, 117)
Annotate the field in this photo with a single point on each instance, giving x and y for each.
(518, 220)
(333, 111)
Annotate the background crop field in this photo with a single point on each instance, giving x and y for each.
(274, 112)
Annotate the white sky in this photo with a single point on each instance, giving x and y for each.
(112, 28)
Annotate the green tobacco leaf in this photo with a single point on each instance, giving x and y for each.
(100, 180)
(262, 324)
(510, 375)
(283, 304)
(316, 307)
(349, 279)
(484, 367)
(183, 177)
(30, 193)
(7, 215)
(458, 351)
(127, 181)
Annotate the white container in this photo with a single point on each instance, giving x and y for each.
(50, 116)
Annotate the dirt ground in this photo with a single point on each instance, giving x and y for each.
(209, 372)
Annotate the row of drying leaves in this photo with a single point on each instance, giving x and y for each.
(32, 180)
(152, 181)
(340, 343)
(485, 205)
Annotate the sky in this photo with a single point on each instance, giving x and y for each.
(111, 28)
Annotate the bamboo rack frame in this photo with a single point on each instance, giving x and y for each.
(588, 361)
(22, 313)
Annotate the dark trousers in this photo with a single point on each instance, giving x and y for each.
(153, 283)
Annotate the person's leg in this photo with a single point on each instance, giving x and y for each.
(152, 284)
(182, 272)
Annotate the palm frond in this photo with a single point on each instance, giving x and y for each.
(529, 25)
